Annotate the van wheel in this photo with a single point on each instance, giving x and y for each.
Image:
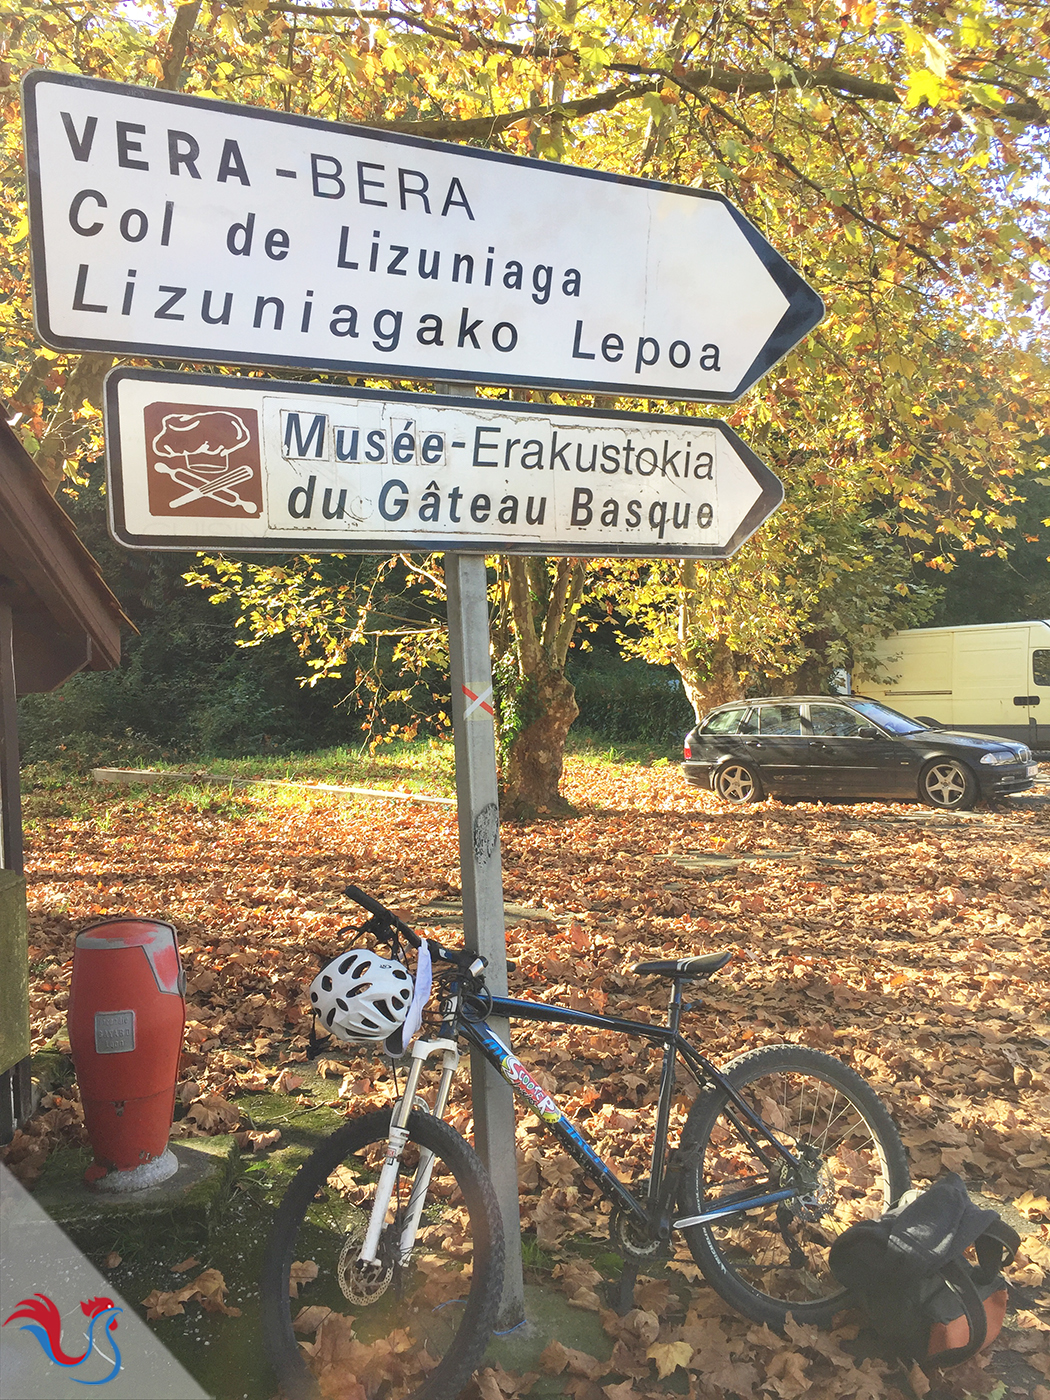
(947, 783)
(736, 782)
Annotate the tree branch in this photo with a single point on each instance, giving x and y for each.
(66, 430)
(737, 81)
(731, 81)
(529, 651)
(569, 615)
(483, 128)
(789, 165)
(178, 42)
(31, 383)
(456, 36)
(556, 605)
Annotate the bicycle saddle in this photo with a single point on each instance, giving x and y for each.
(685, 968)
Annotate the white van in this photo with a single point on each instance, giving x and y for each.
(993, 679)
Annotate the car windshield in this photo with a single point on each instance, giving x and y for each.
(889, 719)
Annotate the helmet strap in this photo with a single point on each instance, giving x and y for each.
(315, 1046)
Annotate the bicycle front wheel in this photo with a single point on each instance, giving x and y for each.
(773, 1260)
(412, 1325)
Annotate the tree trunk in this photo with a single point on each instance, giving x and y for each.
(543, 601)
(536, 754)
(813, 675)
(707, 667)
(716, 683)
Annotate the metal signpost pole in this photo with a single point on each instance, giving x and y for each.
(481, 876)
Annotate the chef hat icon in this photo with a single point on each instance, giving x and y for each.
(204, 440)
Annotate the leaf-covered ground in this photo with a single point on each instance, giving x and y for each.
(913, 944)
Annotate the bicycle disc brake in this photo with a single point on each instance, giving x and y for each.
(363, 1282)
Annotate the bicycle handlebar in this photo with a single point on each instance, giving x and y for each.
(382, 912)
(464, 959)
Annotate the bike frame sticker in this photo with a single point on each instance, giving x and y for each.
(563, 1128)
(515, 1073)
(518, 1077)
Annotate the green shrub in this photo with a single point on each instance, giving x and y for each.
(630, 700)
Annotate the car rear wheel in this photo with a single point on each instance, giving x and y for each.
(736, 782)
(948, 783)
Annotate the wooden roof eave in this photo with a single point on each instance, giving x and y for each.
(51, 577)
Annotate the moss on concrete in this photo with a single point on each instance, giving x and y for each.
(51, 1068)
(218, 1211)
(66, 1197)
(548, 1315)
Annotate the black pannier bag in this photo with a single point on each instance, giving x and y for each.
(909, 1272)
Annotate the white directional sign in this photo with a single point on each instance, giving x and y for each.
(217, 461)
(182, 228)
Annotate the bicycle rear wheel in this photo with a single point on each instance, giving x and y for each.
(774, 1260)
(409, 1327)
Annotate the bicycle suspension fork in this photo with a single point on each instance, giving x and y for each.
(396, 1143)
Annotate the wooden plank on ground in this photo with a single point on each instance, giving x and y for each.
(134, 777)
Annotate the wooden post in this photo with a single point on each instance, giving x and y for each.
(10, 785)
(15, 1081)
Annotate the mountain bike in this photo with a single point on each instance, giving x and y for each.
(394, 1222)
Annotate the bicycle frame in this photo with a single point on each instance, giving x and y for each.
(674, 1044)
(656, 1214)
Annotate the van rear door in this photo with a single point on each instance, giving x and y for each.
(1039, 684)
(991, 678)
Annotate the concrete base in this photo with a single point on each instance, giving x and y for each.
(200, 1169)
(138, 1178)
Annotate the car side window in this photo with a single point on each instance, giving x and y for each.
(1041, 666)
(836, 721)
(725, 723)
(750, 724)
(781, 719)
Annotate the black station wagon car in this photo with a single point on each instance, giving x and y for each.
(849, 747)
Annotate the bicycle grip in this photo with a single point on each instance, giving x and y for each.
(366, 901)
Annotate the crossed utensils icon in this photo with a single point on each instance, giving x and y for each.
(208, 439)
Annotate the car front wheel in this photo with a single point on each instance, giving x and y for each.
(948, 783)
(736, 782)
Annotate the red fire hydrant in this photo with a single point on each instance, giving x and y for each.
(127, 1013)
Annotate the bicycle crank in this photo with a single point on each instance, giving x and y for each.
(630, 1237)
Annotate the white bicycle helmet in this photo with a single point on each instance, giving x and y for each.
(362, 997)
